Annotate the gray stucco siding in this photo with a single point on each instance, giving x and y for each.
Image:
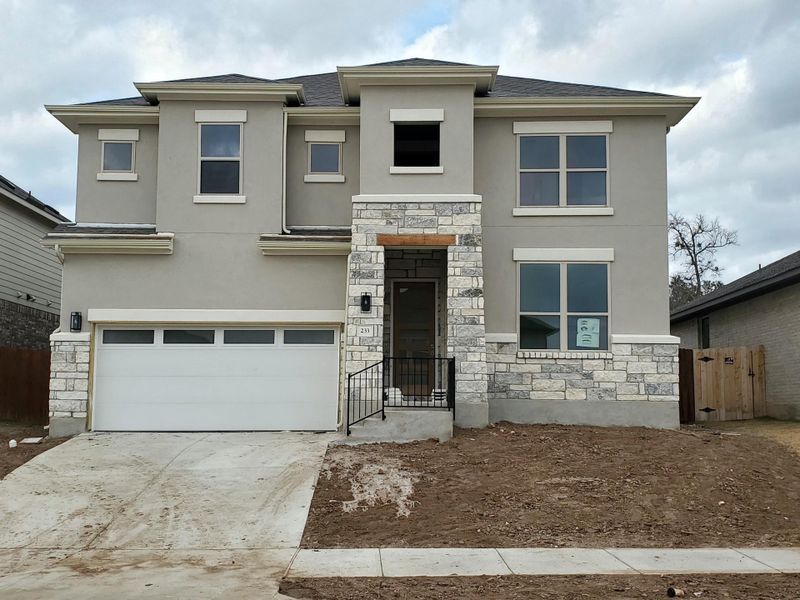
(117, 201)
(320, 203)
(211, 271)
(636, 231)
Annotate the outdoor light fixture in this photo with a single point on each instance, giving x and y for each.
(75, 321)
(366, 302)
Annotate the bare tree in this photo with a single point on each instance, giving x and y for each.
(695, 241)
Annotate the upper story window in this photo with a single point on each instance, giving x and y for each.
(416, 144)
(563, 306)
(324, 156)
(417, 140)
(219, 177)
(220, 158)
(117, 154)
(558, 168)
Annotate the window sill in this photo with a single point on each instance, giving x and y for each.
(117, 177)
(574, 354)
(563, 211)
(416, 170)
(219, 199)
(323, 178)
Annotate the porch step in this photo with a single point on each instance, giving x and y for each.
(405, 425)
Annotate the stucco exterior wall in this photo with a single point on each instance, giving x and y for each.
(772, 320)
(377, 139)
(637, 231)
(320, 203)
(117, 201)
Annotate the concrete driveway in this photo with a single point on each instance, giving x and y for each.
(161, 515)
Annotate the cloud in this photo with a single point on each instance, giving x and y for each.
(734, 157)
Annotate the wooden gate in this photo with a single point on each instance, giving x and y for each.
(722, 384)
(24, 385)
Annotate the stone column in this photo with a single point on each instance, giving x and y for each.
(69, 383)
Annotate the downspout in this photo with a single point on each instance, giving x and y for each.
(284, 229)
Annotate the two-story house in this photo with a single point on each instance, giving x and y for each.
(302, 253)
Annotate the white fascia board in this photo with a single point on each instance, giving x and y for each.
(220, 116)
(564, 254)
(426, 198)
(416, 114)
(169, 315)
(325, 135)
(118, 135)
(556, 127)
(501, 338)
(637, 338)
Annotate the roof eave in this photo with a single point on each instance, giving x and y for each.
(352, 78)
(290, 93)
(674, 108)
(35, 209)
(757, 289)
(73, 115)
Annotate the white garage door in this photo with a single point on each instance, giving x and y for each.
(215, 379)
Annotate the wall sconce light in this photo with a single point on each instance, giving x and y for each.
(75, 321)
(366, 302)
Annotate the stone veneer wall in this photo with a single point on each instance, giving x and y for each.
(634, 384)
(466, 340)
(69, 383)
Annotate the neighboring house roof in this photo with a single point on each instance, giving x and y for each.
(779, 274)
(26, 199)
(323, 89)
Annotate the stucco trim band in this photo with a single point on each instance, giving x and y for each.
(564, 254)
(416, 114)
(563, 126)
(417, 198)
(169, 315)
(118, 135)
(325, 135)
(303, 247)
(160, 243)
(502, 338)
(635, 338)
(220, 116)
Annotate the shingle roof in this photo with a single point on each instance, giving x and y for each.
(322, 89)
(774, 275)
(107, 229)
(419, 62)
(18, 192)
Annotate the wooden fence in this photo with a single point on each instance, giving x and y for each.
(24, 385)
(722, 384)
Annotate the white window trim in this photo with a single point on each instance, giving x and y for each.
(325, 135)
(563, 171)
(118, 135)
(201, 198)
(416, 114)
(564, 314)
(129, 175)
(582, 255)
(417, 170)
(220, 116)
(323, 176)
(558, 127)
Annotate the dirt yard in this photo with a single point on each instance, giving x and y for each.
(708, 587)
(11, 458)
(785, 432)
(528, 486)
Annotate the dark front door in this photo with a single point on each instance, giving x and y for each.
(414, 336)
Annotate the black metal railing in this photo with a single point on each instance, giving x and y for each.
(399, 382)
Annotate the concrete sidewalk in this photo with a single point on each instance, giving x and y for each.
(442, 562)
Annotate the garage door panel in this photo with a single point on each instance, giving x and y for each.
(216, 387)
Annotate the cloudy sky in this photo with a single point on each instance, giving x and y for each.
(736, 156)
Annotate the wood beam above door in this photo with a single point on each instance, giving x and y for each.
(416, 239)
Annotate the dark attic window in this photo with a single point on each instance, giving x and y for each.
(416, 144)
